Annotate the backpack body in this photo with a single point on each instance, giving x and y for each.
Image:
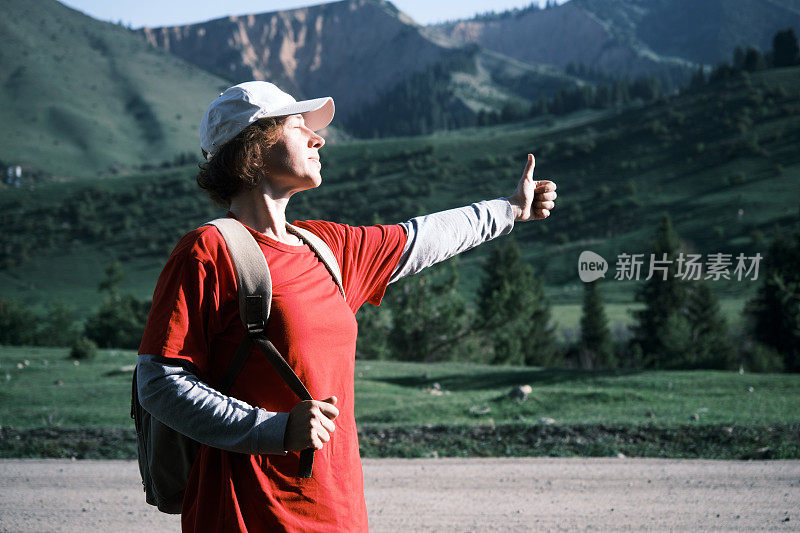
(166, 456)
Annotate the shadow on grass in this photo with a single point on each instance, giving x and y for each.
(505, 378)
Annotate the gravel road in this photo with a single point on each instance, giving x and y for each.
(450, 495)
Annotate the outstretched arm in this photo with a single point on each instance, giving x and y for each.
(439, 236)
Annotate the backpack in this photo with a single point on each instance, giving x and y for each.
(165, 455)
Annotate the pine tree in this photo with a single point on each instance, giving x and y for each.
(774, 312)
(596, 347)
(429, 317)
(754, 60)
(513, 313)
(710, 345)
(663, 299)
(698, 78)
(620, 93)
(540, 348)
(785, 52)
(738, 58)
(646, 88)
(114, 277)
(602, 96)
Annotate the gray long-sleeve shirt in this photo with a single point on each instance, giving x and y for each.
(177, 397)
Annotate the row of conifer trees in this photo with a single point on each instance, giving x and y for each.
(679, 326)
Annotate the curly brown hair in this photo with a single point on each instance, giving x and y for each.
(238, 165)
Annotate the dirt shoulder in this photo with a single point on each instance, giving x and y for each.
(516, 494)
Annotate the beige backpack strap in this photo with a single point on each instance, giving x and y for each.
(255, 298)
(252, 272)
(323, 251)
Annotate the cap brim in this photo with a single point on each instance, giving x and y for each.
(317, 113)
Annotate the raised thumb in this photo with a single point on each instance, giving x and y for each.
(530, 167)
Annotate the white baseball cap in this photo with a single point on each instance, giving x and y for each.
(241, 105)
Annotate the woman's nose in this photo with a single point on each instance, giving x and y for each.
(316, 141)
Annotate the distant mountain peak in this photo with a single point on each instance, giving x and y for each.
(353, 50)
(630, 37)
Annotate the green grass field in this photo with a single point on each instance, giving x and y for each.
(51, 407)
(51, 391)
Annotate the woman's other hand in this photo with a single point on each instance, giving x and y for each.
(310, 424)
(532, 200)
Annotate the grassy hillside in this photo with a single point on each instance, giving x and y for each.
(722, 161)
(82, 97)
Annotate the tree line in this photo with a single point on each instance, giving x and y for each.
(117, 323)
(784, 53)
(426, 318)
(608, 92)
(425, 102)
(680, 325)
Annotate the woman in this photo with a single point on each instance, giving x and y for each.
(262, 148)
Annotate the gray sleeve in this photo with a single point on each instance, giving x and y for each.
(179, 399)
(439, 236)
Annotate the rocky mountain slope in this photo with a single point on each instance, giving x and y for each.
(353, 50)
(346, 49)
(377, 62)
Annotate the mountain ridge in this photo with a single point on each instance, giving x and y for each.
(304, 50)
(357, 51)
(629, 37)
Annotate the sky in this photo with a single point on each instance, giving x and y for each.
(179, 12)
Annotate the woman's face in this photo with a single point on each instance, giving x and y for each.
(293, 163)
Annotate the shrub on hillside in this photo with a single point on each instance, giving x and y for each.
(84, 349)
(374, 325)
(757, 357)
(119, 323)
(17, 323)
(59, 327)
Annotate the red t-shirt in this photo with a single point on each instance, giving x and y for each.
(195, 316)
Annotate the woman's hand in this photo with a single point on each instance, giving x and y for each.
(532, 200)
(310, 424)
